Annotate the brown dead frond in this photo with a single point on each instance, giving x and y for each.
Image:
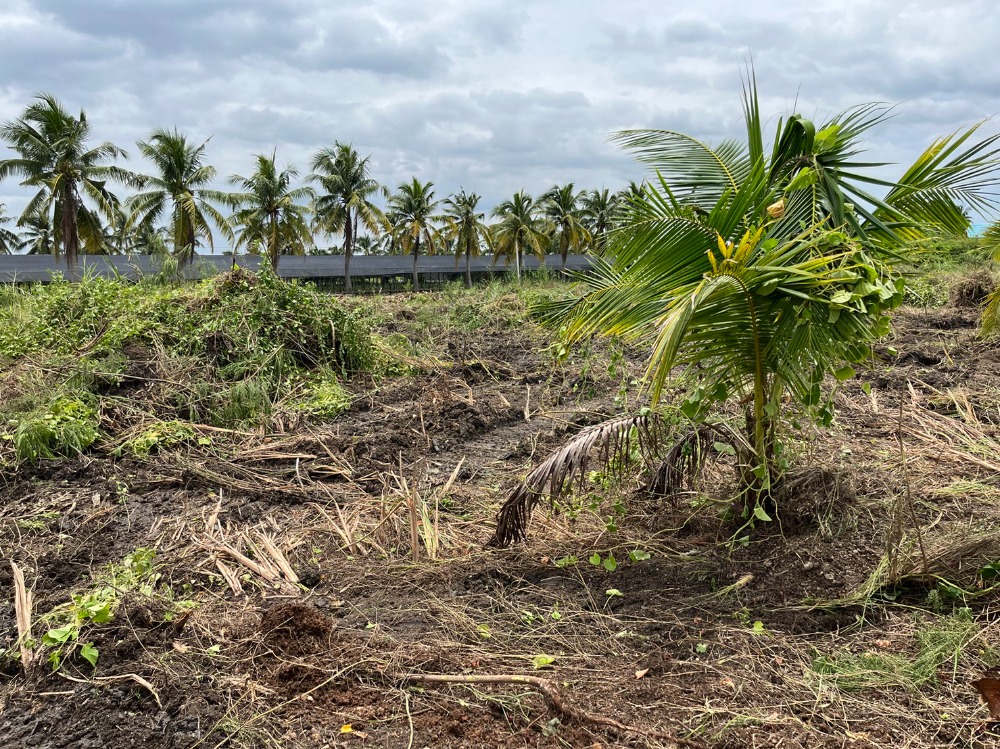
(22, 613)
(683, 461)
(613, 443)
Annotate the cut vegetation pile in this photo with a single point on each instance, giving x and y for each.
(142, 367)
(245, 514)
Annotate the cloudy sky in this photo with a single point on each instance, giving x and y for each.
(493, 96)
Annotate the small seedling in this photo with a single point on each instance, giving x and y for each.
(609, 562)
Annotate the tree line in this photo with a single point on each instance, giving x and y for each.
(175, 209)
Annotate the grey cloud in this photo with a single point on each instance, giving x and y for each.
(490, 95)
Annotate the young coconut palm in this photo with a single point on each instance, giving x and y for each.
(754, 275)
(271, 215)
(53, 155)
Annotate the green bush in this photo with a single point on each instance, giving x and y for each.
(324, 398)
(66, 426)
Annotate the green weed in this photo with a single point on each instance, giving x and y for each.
(936, 646)
(66, 426)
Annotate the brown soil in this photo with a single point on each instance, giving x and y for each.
(667, 646)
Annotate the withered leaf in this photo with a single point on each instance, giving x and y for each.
(989, 689)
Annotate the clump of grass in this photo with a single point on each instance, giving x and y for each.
(324, 398)
(161, 435)
(936, 645)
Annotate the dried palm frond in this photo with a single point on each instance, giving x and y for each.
(684, 459)
(613, 439)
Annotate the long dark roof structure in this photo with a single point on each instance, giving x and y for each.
(46, 268)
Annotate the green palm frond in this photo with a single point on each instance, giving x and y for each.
(52, 153)
(697, 173)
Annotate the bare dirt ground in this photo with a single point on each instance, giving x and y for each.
(289, 611)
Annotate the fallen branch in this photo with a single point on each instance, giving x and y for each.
(554, 699)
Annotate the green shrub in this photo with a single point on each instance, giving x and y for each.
(163, 434)
(232, 346)
(66, 426)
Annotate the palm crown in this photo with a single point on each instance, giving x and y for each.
(54, 156)
(181, 183)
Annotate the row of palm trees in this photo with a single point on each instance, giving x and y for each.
(176, 209)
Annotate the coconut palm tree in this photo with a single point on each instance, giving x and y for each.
(9, 241)
(180, 185)
(368, 244)
(36, 236)
(54, 156)
(599, 211)
(466, 228)
(151, 240)
(413, 219)
(521, 227)
(271, 215)
(347, 185)
(562, 207)
(760, 275)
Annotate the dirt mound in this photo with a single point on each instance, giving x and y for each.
(973, 290)
(295, 629)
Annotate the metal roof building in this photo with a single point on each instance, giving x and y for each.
(368, 272)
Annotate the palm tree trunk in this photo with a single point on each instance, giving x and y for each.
(70, 236)
(274, 250)
(416, 254)
(517, 261)
(349, 229)
(761, 431)
(468, 265)
(187, 251)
